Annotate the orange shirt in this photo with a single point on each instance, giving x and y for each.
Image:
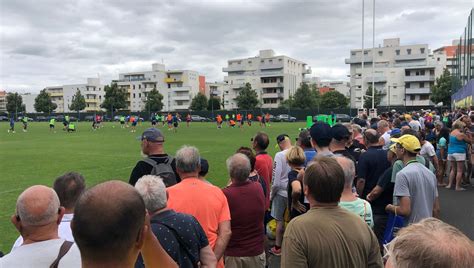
(219, 118)
(239, 117)
(232, 122)
(169, 117)
(249, 116)
(206, 202)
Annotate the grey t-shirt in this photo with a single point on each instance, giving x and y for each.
(419, 184)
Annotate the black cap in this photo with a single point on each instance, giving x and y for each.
(340, 132)
(320, 131)
(282, 137)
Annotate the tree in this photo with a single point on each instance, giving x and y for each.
(199, 102)
(15, 104)
(115, 98)
(305, 97)
(368, 98)
(288, 103)
(442, 90)
(154, 101)
(43, 103)
(78, 102)
(334, 100)
(248, 98)
(214, 104)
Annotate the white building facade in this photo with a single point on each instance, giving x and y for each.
(274, 78)
(403, 74)
(93, 92)
(178, 87)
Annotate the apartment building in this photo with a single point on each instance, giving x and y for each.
(219, 90)
(178, 87)
(404, 74)
(93, 92)
(3, 101)
(449, 52)
(274, 78)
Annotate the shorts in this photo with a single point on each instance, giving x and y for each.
(175, 124)
(122, 122)
(170, 122)
(134, 124)
(51, 126)
(65, 123)
(258, 261)
(438, 154)
(458, 157)
(278, 207)
(153, 123)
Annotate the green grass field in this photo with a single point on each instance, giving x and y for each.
(38, 156)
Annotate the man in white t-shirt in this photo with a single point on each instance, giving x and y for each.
(68, 187)
(383, 128)
(428, 151)
(278, 192)
(37, 217)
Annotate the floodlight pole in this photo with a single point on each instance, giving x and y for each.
(373, 54)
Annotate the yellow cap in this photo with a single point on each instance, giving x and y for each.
(407, 117)
(392, 148)
(408, 142)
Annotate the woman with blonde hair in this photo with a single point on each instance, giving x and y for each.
(458, 140)
(297, 204)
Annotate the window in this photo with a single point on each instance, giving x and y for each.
(412, 97)
(407, 73)
(424, 97)
(139, 86)
(422, 50)
(422, 72)
(407, 85)
(270, 61)
(409, 51)
(249, 62)
(133, 86)
(133, 95)
(431, 72)
(353, 53)
(397, 52)
(169, 85)
(422, 84)
(438, 59)
(280, 60)
(139, 95)
(366, 52)
(380, 53)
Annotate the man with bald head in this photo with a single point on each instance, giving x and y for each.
(372, 164)
(38, 214)
(111, 227)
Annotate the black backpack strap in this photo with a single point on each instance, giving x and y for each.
(63, 250)
(149, 161)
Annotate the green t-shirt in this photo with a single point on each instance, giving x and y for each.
(66, 118)
(25, 119)
(360, 207)
(398, 165)
(122, 119)
(52, 121)
(72, 126)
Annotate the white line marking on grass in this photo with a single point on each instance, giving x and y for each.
(11, 190)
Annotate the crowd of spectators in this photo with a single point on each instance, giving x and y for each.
(330, 194)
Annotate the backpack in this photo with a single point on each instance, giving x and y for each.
(163, 170)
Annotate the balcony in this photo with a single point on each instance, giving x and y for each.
(236, 68)
(180, 107)
(180, 89)
(271, 66)
(237, 86)
(412, 91)
(376, 79)
(417, 103)
(419, 78)
(410, 57)
(56, 94)
(91, 100)
(272, 85)
(272, 96)
(271, 74)
(173, 80)
(131, 79)
(358, 59)
(180, 97)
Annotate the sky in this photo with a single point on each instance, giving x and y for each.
(58, 42)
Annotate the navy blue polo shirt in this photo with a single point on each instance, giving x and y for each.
(189, 230)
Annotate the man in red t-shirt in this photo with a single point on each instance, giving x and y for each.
(247, 209)
(264, 162)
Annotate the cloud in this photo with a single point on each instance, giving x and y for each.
(64, 42)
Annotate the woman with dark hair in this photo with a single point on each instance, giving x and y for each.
(254, 176)
(442, 141)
